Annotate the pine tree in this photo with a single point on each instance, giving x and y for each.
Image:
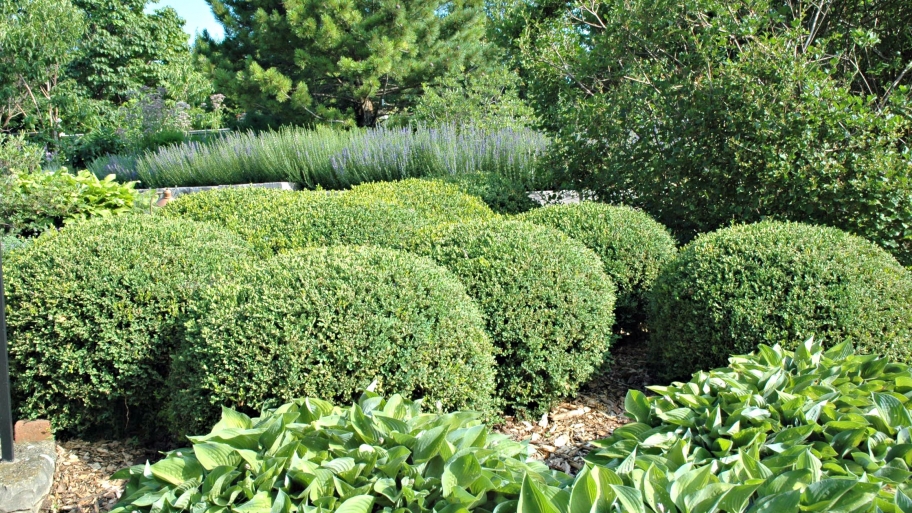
(349, 61)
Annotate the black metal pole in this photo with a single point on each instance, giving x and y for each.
(6, 404)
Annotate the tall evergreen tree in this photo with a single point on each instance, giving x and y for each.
(352, 61)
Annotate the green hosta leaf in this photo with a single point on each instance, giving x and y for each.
(779, 503)
(260, 503)
(584, 494)
(637, 406)
(690, 483)
(176, 469)
(630, 498)
(838, 495)
(363, 425)
(428, 443)
(356, 504)
(892, 411)
(655, 490)
(232, 420)
(212, 455)
(533, 500)
(902, 502)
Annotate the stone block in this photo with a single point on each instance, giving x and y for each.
(26, 481)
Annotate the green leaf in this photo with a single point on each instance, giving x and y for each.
(533, 500)
(212, 455)
(630, 498)
(176, 469)
(260, 503)
(428, 443)
(357, 504)
(779, 503)
(902, 502)
(637, 406)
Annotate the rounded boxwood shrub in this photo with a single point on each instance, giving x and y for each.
(275, 221)
(547, 303)
(633, 247)
(96, 310)
(432, 199)
(775, 282)
(328, 322)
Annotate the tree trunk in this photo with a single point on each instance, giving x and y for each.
(366, 114)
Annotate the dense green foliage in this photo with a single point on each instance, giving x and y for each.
(502, 194)
(704, 112)
(336, 159)
(486, 99)
(37, 201)
(126, 49)
(308, 62)
(275, 221)
(632, 246)
(547, 304)
(18, 154)
(777, 283)
(36, 41)
(432, 199)
(308, 455)
(329, 321)
(95, 311)
(775, 431)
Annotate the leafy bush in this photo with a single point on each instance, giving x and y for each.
(275, 221)
(34, 202)
(432, 199)
(502, 195)
(331, 321)
(308, 455)
(775, 431)
(703, 116)
(775, 283)
(95, 144)
(10, 243)
(547, 304)
(96, 310)
(632, 245)
(16, 153)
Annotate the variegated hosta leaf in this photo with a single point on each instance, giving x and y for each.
(309, 455)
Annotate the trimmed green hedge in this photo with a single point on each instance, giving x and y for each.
(547, 303)
(275, 221)
(501, 194)
(777, 283)
(327, 322)
(633, 247)
(96, 310)
(432, 199)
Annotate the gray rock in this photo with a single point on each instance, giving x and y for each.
(25, 482)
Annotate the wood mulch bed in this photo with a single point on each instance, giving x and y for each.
(561, 438)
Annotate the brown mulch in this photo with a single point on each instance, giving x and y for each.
(561, 438)
(81, 481)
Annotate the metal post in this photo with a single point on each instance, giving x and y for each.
(6, 404)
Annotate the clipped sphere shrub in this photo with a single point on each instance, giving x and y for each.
(777, 283)
(547, 303)
(328, 322)
(96, 310)
(501, 193)
(432, 199)
(275, 221)
(633, 247)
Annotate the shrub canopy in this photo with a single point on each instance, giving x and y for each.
(329, 321)
(777, 283)
(96, 310)
(633, 247)
(432, 199)
(547, 304)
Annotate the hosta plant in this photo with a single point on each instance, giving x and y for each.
(775, 431)
(310, 456)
